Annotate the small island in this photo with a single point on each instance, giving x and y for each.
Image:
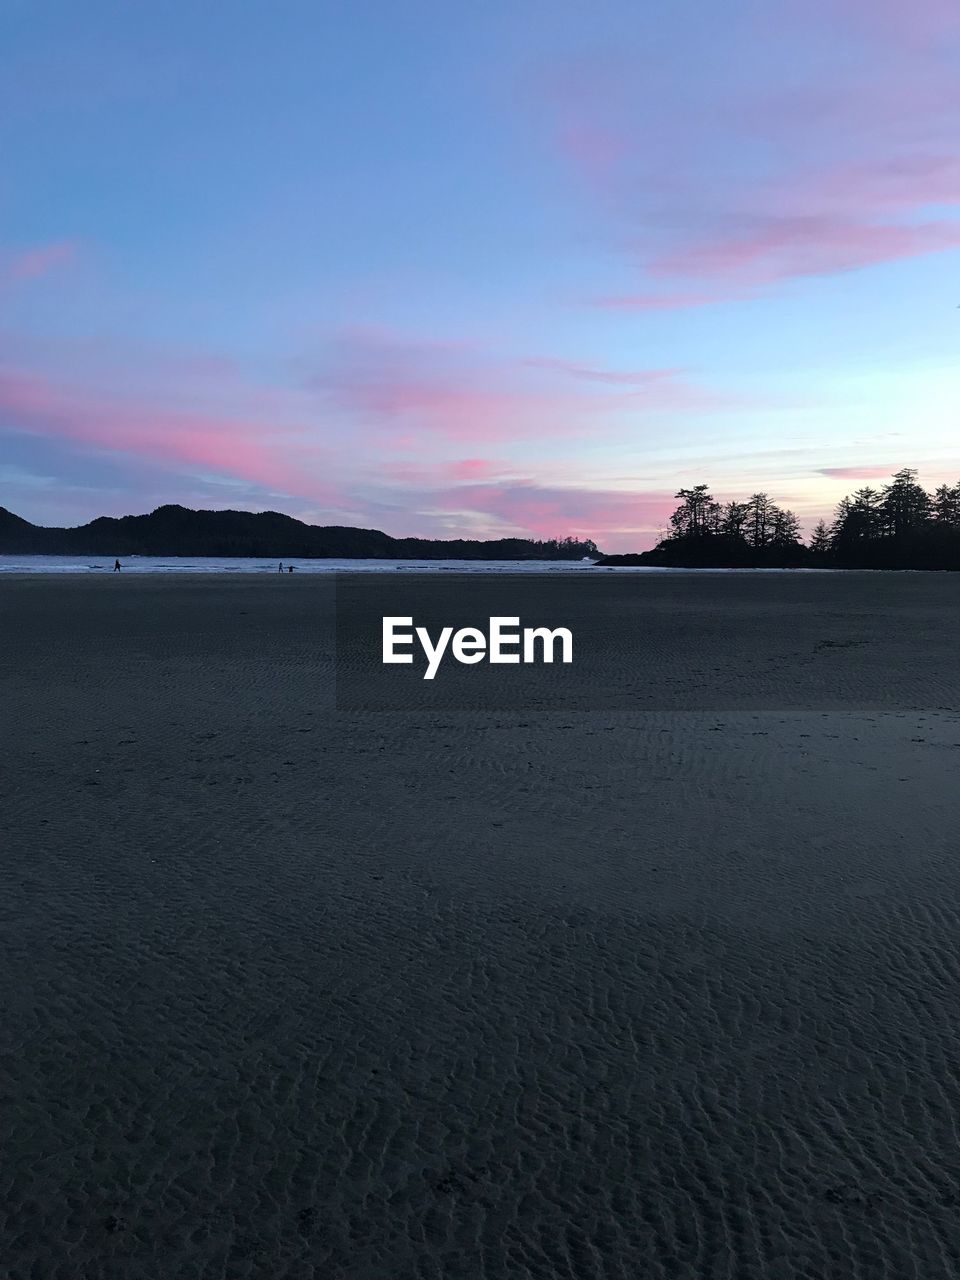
(900, 526)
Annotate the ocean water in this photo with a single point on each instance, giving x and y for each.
(240, 564)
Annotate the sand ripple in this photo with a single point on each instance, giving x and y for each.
(294, 993)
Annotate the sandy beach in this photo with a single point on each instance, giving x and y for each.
(651, 975)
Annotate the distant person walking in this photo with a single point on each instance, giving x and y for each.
(116, 566)
(280, 567)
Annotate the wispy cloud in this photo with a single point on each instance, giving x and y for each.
(284, 459)
(40, 260)
(387, 429)
(612, 377)
(915, 24)
(720, 190)
(547, 511)
(867, 472)
(466, 395)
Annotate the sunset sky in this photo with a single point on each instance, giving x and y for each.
(475, 269)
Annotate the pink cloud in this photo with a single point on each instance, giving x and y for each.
(230, 446)
(475, 469)
(597, 152)
(858, 473)
(474, 397)
(778, 248)
(400, 435)
(915, 24)
(457, 471)
(31, 264)
(544, 511)
(841, 158)
(470, 494)
(521, 508)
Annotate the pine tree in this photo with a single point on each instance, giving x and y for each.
(858, 519)
(714, 518)
(946, 505)
(820, 539)
(785, 529)
(904, 505)
(734, 519)
(691, 518)
(758, 520)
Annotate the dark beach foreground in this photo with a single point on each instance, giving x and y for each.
(654, 974)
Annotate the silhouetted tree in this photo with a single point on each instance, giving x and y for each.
(945, 507)
(714, 515)
(903, 505)
(735, 518)
(784, 529)
(900, 526)
(690, 520)
(759, 525)
(820, 539)
(858, 519)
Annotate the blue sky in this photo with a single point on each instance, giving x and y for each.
(476, 269)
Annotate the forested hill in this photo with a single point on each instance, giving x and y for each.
(177, 531)
(899, 526)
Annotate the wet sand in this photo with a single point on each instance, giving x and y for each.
(659, 979)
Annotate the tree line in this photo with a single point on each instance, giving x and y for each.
(898, 526)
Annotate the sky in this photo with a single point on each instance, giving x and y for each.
(523, 267)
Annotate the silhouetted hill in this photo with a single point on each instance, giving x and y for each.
(178, 531)
(12, 526)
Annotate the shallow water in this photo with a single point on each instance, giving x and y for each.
(243, 564)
